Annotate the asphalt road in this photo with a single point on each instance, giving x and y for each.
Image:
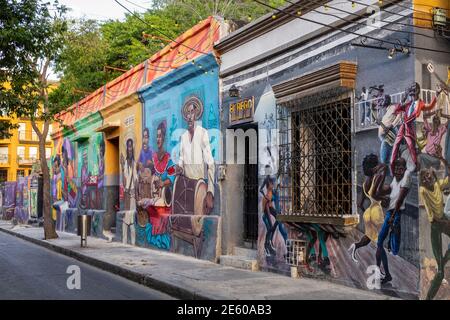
(28, 271)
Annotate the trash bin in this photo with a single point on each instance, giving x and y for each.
(84, 227)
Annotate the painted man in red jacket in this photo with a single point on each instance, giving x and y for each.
(411, 111)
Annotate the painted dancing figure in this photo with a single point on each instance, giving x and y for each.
(397, 191)
(270, 208)
(410, 112)
(431, 195)
(373, 216)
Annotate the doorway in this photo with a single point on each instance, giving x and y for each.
(112, 190)
(251, 189)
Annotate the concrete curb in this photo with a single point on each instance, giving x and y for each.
(143, 279)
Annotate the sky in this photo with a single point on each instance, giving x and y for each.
(100, 10)
(103, 9)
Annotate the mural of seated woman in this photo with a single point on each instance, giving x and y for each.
(158, 206)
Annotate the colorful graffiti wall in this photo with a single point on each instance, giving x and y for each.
(382, 251)
(9, 199)
(433, 158)
(172, 180)
(21, 211)
(272, 234)
(77, 169)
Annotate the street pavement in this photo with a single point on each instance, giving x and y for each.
(29, 271)
(177, 275)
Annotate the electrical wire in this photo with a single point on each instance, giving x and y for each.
(416, 10)
(198, 44)
(397, 23)
(391, 12)
(191, 49)
(135, 4)
(359, 23)
(363, 16)
(348, 31)
(154, 28)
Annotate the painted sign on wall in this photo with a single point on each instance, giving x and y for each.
(242, 111)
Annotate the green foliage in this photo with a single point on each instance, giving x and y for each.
(81, 62)
(91, 46)
(31, 37)
(189, 12)
(6, 128)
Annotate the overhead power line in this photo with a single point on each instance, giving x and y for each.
(365, 15)
(347, 31)
(391, 12)
(137, 5)
(155, 28)
(359, 23)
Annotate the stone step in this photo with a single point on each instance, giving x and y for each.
(239, 262)
(244, 252)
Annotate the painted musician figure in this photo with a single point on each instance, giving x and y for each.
(387, 130)
(195, 150)
(193, 192)
(407, 131)
(433, 134)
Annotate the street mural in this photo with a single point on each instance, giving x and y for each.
(69, 187)
(9, 199)
(91, 169)
(434, 197)
(127, 187)
(129, 177)
(411, 149)
(272, 235)
(77, 171)
(21, 210)
(387, 235)
(175, 185)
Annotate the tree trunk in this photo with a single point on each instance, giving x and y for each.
(49, 226)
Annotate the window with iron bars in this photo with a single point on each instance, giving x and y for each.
(315, 177)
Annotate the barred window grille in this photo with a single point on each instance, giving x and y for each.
(316, 158)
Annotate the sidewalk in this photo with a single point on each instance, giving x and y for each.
(186, 277)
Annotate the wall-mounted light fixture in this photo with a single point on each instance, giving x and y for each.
(391, 54)
(233, 92)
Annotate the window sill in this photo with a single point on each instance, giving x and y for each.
(346, 221)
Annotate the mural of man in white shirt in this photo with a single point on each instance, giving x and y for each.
(195, 158)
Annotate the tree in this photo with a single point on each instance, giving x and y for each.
(32, 35)
(91, 45)
(81, 62)
(190, 11)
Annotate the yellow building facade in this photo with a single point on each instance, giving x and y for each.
(19, 152)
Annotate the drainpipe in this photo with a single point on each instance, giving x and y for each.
(104, 95)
